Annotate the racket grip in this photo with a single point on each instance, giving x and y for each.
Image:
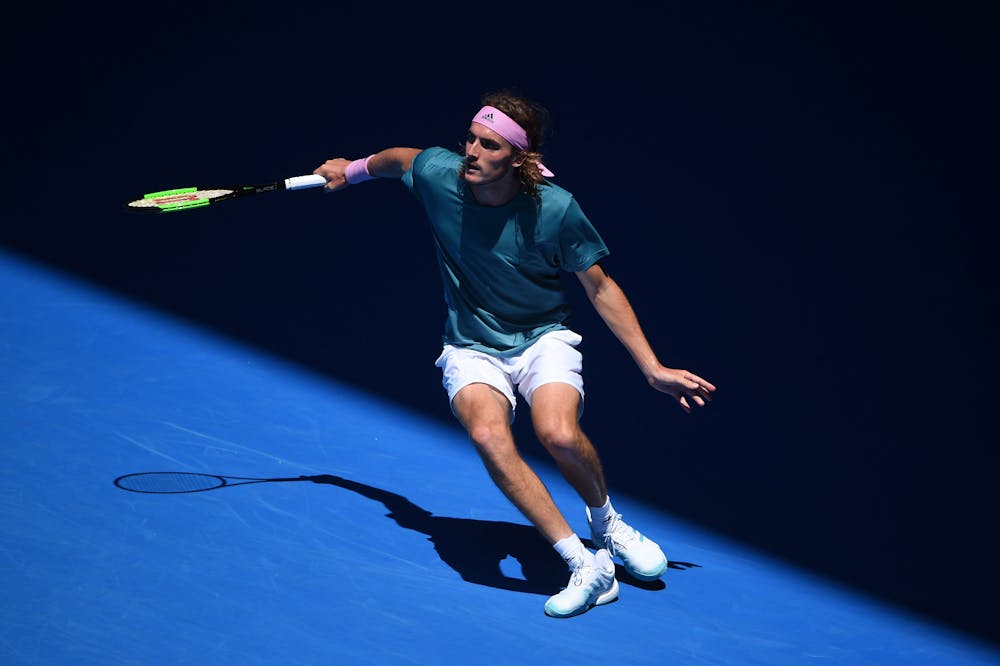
(300, 182)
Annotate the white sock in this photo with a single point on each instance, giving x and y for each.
(574, 552)
(601, 515)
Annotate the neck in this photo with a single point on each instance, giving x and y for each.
(497, 194)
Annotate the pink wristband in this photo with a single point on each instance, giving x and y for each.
(357, 171)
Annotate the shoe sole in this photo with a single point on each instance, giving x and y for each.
(635, 574)
(650, 576)
(606, 598)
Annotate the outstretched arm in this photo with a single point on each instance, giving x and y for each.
(388, 163)
(616, 311)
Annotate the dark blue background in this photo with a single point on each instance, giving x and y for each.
(798, 202)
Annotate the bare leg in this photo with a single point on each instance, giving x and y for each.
(554, 410)
(485, 413)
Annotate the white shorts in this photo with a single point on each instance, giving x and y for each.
(552, 358)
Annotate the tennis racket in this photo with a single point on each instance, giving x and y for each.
(169, 483)
(186, 198)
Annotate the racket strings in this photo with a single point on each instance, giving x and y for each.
(178, 198)
(170, 482)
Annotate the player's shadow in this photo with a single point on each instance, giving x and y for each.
(475, 548)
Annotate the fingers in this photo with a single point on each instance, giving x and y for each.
(699, 393)
(333, 171)
(685, 400)
(694, 390)
(694, 381)
(323, 169)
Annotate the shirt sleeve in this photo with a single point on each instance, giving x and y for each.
(428, 163)
(580, 245)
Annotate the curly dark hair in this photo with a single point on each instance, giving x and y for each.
(535, 120)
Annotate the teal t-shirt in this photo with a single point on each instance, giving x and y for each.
(500, 266)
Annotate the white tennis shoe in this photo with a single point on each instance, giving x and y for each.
(642, 557)
(589, 586)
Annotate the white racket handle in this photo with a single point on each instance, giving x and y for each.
(300, 182)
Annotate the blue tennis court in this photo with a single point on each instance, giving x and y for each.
(798, 199)
(394, 549)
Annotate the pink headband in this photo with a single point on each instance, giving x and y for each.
(504, 125)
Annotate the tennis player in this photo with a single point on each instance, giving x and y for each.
(503, 234)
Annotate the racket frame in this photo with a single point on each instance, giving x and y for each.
(218, 481)
(187, 202)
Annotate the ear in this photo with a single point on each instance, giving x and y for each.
(519, 160)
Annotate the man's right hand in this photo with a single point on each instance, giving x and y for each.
(333, 170)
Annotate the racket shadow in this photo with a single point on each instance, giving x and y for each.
(472, 548)
(475, 548)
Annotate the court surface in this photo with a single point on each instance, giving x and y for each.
(394, 549)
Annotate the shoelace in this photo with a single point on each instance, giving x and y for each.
(576, 579)
(619, 535)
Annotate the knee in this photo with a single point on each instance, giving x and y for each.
(493, 439)
(484, 434)
(561, 441)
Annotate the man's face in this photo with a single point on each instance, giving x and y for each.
(489, 158)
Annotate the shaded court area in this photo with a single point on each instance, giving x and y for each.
(371, 534)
